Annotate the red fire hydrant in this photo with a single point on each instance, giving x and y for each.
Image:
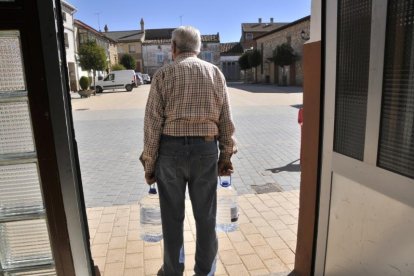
(300, 122)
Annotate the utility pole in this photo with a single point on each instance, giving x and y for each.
(99, 23)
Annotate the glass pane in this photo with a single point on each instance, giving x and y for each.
(20, 189)
(396, 145)
(24, 243)
(42, 272)
(15, 132)
(11, 66)
(354, 31)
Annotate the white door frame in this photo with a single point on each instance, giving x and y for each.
(364, 172)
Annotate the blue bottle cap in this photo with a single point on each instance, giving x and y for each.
(152, 191)
(225, 183)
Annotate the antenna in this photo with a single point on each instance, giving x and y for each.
(181, 20)
(99, 23)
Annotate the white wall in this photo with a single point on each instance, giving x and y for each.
(316, 19)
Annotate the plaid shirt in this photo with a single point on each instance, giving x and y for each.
(187, 98)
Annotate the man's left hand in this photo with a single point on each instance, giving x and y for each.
(150, 178)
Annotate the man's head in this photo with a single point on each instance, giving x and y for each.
(186, 39)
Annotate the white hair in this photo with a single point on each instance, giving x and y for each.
(187, 39)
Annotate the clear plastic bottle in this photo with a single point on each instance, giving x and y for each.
(227, 210)
(150, 219)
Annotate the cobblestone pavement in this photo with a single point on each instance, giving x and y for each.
(109, 134)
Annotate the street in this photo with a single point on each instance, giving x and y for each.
(109, 133)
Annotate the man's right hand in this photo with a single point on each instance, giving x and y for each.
(225, 168)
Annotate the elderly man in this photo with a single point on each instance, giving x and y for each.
(187, 114)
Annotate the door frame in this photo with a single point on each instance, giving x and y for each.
(363, 172)
(41, 30)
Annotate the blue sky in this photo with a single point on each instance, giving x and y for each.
(209, 16)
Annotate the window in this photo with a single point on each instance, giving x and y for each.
(207, 56)
(66, 40)
(110, 77)
(131, 48)
(249, 36)
(354, 33)
(64, 16)
(396, 142)
(83, 38)
(160, 58)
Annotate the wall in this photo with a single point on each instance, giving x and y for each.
(272, 40)
(150, 53)
(150, 57)
(113, 54)
(214, 48)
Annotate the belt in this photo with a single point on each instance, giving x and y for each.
(189, 138)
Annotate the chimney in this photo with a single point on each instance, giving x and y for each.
(106, 28)
(271, 19)
(260, 20)
(142, 25)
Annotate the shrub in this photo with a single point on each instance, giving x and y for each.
(117, 67)
(84, 83)
(128, 61)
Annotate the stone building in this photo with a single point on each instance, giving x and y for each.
(84, 33)
(296, 34)
(156, 49)
(229, 60)
(250, 31)
(129, 42)
(69, 39)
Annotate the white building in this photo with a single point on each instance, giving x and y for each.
(67, 15)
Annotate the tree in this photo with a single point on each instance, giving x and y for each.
(128, 61)
(255, 59)
(92, 57)
(244, 63)
(117, 67)
(284, 55)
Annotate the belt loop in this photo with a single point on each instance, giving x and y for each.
(186, 140)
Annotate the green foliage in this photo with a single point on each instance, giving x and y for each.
(92, 56)
(255, 58)
(244, 61)
(117, 67)
(284, 55)
(128, 61)
(84, 82)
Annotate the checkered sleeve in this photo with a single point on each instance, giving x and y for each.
(153, 125)
(227, 143)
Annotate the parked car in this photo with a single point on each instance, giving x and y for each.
(117, 80)
(146, 78)
(140, 79)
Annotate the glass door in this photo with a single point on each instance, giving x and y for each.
(24, 236)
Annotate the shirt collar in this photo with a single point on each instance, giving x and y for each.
(183, 56)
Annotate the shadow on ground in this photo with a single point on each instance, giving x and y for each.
(291, 167)
(265, 88)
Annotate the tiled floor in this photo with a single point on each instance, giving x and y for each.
(264, 244)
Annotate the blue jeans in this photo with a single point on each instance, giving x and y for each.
(191, 160)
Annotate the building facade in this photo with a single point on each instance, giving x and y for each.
(70, 44)
(295, 34)
(250, 31)
(129, 42)
(156, 49)
(229, 60)
(85, 33)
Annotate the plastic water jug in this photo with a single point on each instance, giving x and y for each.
(150, 217)
(227, 210)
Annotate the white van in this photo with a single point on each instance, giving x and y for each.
(122, 79)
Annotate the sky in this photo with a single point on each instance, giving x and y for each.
(210, 17)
